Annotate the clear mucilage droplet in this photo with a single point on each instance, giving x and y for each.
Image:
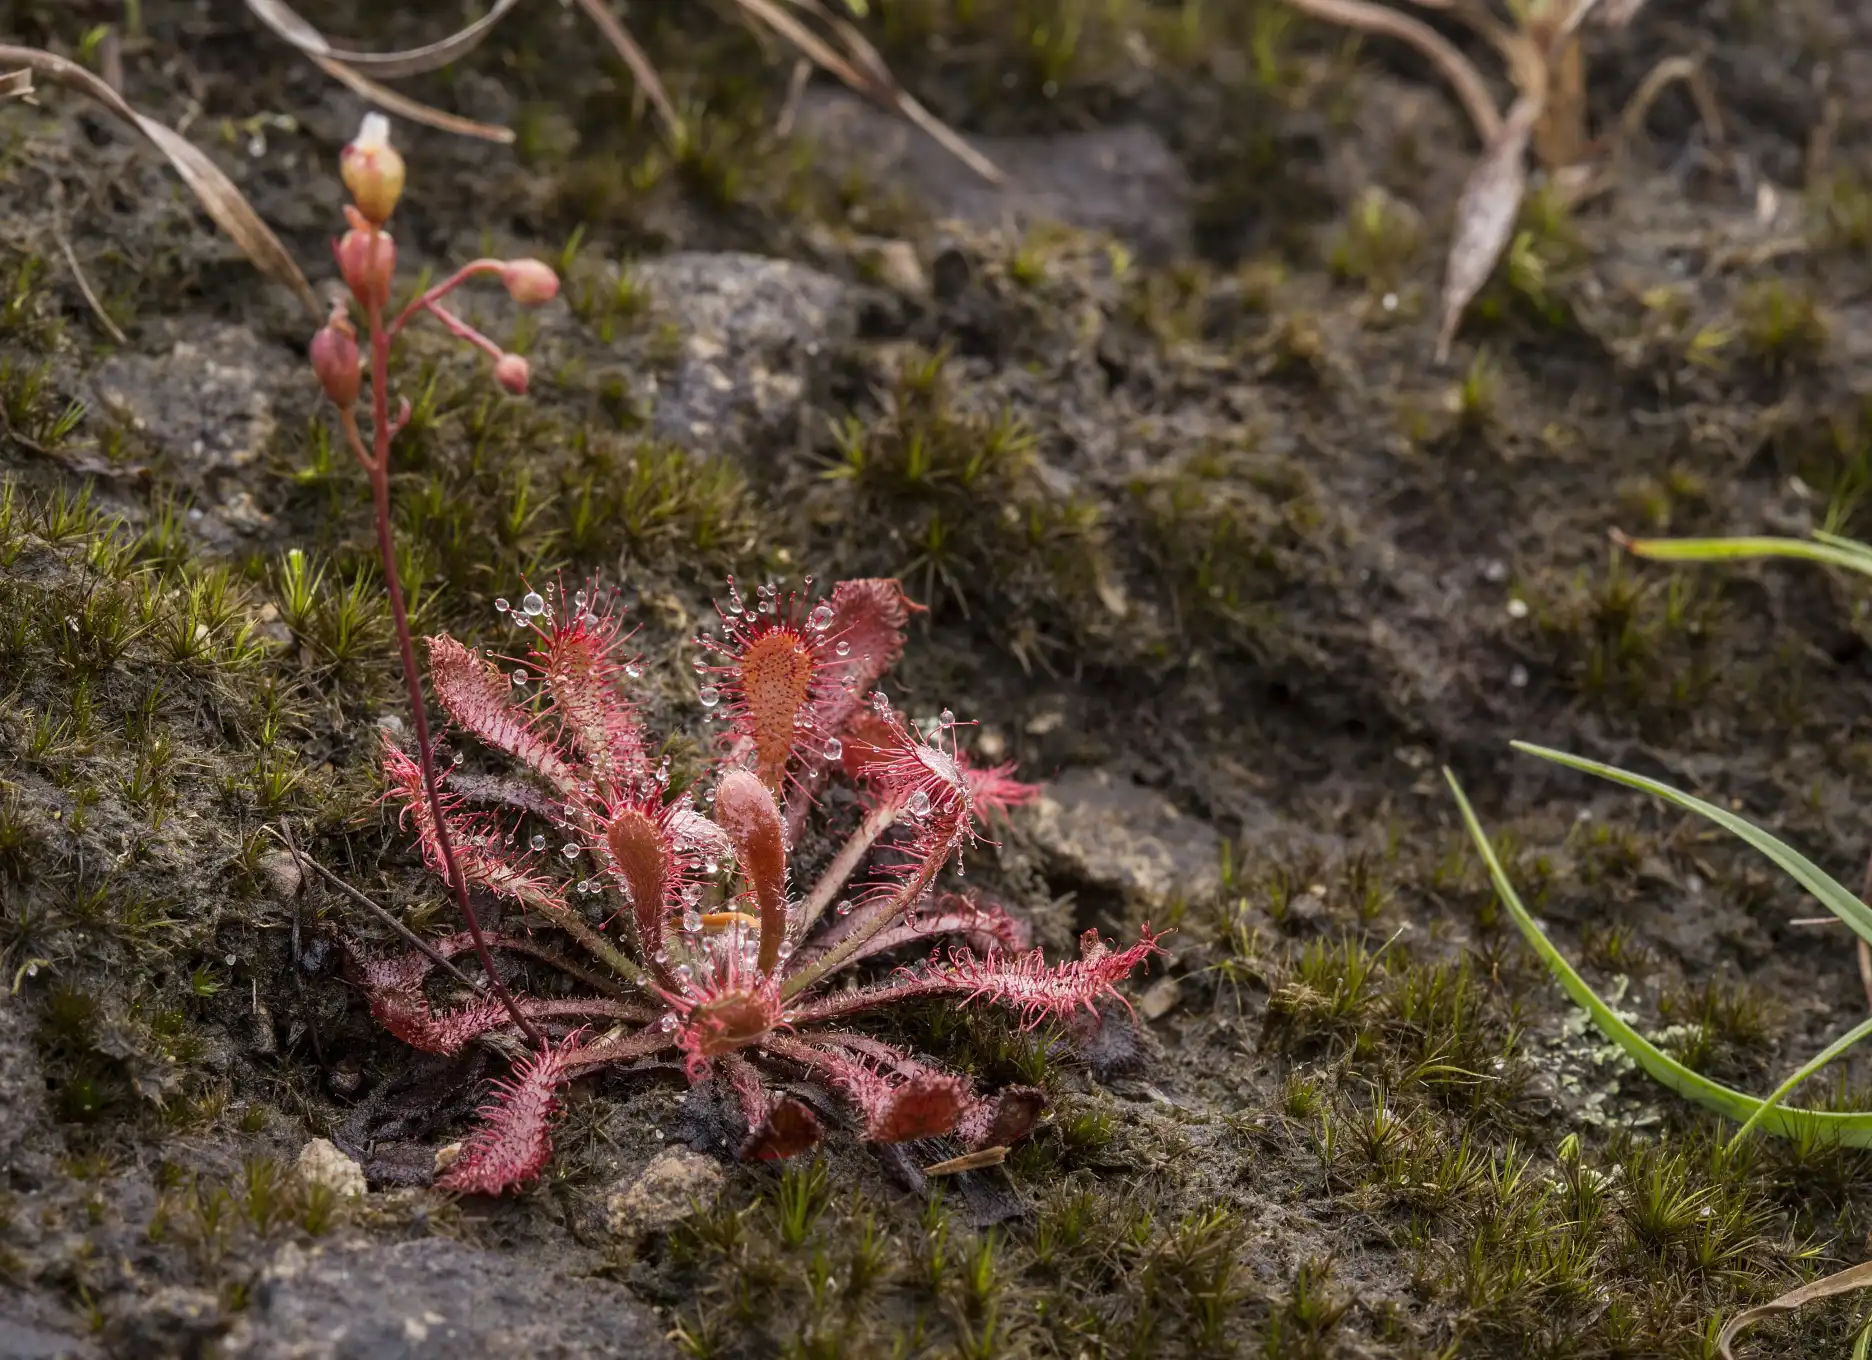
(844, 907)
(821, 617)
(919, 803)
(501, 606)
(834, 748)
(570, 850)
(843, 649)
(709, 695)
(534, 603)
(538, 842)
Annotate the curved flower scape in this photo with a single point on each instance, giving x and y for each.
(696, 938)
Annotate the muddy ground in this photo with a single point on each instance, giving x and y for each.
(1209, 543)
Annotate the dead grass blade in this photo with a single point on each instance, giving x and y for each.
(640, 68)
(1844, 1282)
(1457, 69)
(1485, 217)
(16, 85)
(1690, 71)
(403, 106)
(281, 18)
(217, 194)
(867, 73)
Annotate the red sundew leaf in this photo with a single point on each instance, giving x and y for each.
(1003, 1119)
(1485, 217)
(514, 1143)
(585, 667)
(745, 809)
(789, 1130)
(868, 619)
(407, 1015)
(479, 699)
(994, 789)
(926, 1106)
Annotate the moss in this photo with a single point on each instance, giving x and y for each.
(1233, 532)
(978, 524)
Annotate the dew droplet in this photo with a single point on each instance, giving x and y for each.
(709, 695)
(534, 604)
(538, 842)
(843, 649)
(683, 972)
(578, 600)
(834, 748)
(570, 850)
(919, 803)
(667, 1023)
(691, 920)
(821, 617)
(455, 758)
(633, 670)
(947, 718)
(501, 606)
(844, 907)
(520, 677)
(661, 956)
(786, 949)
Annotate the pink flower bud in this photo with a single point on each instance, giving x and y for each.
(335, 359)
(372, 170)
(511, 372)
(367, 259)
(529, 282)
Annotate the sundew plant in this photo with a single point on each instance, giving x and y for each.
(695, 934)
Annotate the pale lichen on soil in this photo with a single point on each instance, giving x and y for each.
(1208, 544)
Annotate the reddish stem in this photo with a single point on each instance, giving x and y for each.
(378, 464)
(442, 290)
(461, 330)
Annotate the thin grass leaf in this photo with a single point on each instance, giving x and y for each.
(414, 110)
(640, 68)
(1844, 1282)
(217, 194)
(1467, 83)
(1485, 217)
(1806, 1070)
(1828, 548)
(281, 18)
(1824, 1126)
(868, 74)
(1804, 871)
(16, 85)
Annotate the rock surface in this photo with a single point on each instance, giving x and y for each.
(1123, 180)
(755, 333)
(664, 1192)
(321, 1163)
(1111, 834)
(434, 1299)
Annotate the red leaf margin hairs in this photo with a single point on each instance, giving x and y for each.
(514, 1143)
(479, 698)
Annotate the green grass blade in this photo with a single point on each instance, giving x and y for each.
(1806, 1070)
(1847, 545)
(1826, 889)
(1853, 1130)
(1828, 548)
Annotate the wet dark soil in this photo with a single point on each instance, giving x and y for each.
(1252, 570)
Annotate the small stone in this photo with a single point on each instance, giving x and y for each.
(281, 873)
(895, 266)
(665, 1192)
(321, 1163)
(1160, 999)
